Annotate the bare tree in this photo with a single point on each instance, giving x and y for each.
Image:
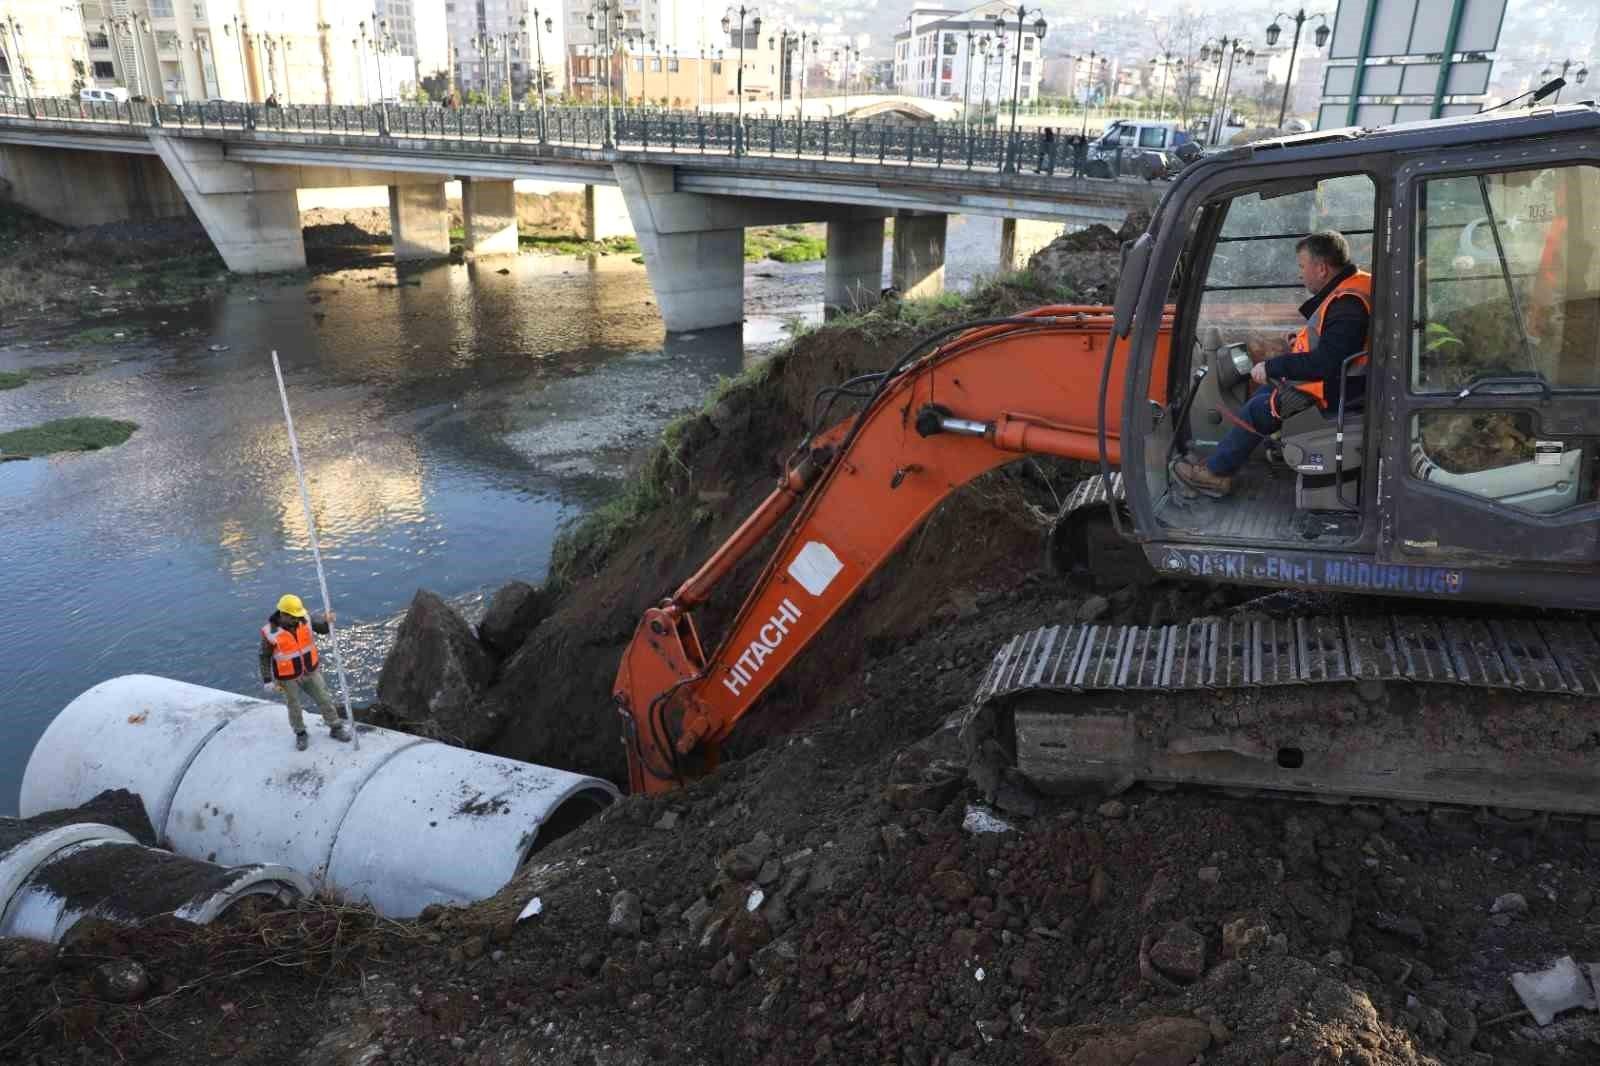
(1180, 38)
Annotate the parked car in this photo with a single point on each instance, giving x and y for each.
(116, 94)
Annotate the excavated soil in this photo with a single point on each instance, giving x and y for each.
(837, 892)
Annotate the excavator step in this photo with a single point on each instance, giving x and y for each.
(1465, 711)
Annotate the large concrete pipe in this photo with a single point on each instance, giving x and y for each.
(402, 823)
(53, 877)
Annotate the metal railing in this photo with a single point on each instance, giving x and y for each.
(941, 145)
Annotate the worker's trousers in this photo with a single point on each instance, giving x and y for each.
(312, 684)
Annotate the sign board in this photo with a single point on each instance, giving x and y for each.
(1407, 60)
(1414, 27)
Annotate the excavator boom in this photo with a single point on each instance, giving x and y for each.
(994, 392)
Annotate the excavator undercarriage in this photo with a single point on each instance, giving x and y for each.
(1482, 713)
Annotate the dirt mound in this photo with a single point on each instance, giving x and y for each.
(554, 694)
(1087, 261)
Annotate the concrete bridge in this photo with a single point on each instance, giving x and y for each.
(687, 201)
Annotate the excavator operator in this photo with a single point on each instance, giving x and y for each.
(1337, 317)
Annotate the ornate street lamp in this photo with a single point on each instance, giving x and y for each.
(1215, 51)
(1580, 77)
(727, 27)
(606, 17)
(1084, 133)
(1275, 30)
(1016, 80)
(538, 45)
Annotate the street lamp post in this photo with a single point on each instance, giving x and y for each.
(538, 45)
(999, 82)
(983, 82)
(1580, 77)
(966, 89)
(1083, 134)
(1016, 79)
(1227, 84)
(608, 11)
(1274, 30)
(1165, 60)
(239, 26)
(1215, 52)
(727, 27)
(814, 47)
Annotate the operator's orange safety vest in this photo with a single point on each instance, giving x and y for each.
(1358, 285)
(293, 651)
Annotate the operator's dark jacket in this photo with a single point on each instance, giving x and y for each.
(1344, 333)
(319, 624)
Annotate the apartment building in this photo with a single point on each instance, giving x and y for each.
(941, 54)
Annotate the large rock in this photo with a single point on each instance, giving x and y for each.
(436, 672)
(514, 610)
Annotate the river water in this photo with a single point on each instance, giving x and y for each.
(449, 424)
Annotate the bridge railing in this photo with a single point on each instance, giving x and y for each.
(944, 145)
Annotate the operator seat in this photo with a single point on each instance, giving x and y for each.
(1308, 443)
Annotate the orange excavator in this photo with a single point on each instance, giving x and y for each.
(1469, 475)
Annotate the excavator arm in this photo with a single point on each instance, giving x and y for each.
(993, 393)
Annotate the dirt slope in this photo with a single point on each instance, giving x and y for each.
(829, 896)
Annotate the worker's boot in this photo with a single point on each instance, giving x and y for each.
(301, 742)
(339, 732)
(1199, 477)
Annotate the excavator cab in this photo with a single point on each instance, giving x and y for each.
(1470, 466)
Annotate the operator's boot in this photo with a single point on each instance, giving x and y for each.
(339, 732)
(301, 742)
(1199, 477)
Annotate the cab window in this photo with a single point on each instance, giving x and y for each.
(1508, 283)
(1252, 289)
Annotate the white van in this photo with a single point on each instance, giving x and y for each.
(114, 95)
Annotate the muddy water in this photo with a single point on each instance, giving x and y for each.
(449, 424)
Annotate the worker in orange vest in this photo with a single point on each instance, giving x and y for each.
(290, 664)
(1337, 316)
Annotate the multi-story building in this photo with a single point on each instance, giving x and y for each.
(42, 49)
(297, 51)
(493, 49)
(667, 50)
(941, 54)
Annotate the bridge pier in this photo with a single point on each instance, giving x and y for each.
(693, 248)
(419, 221)
(88, 188)
(605, 215)
(853, 279)
(918, 264)
(1021, 237)
(249, 211)
(489, 216)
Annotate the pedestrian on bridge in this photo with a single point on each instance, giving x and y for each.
(1047, 152)
(289, 664)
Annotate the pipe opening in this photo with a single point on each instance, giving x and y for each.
(1291, 758)
(577, 810)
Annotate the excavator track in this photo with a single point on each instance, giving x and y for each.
(1463, 712)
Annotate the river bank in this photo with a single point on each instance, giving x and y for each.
(827, 895)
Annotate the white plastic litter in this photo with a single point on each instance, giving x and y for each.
(980, 820)
(979, 974)
(535, 906)
(756, 896)
(1549, 992)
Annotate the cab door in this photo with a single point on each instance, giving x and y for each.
(1491, 450)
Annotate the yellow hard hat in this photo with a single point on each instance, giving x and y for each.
(290, 604)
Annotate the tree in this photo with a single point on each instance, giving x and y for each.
(1266, 99)
(1181, 38)
(475, 98)
(421, 97)
(437, 84)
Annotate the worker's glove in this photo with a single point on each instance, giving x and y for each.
(269, 687)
